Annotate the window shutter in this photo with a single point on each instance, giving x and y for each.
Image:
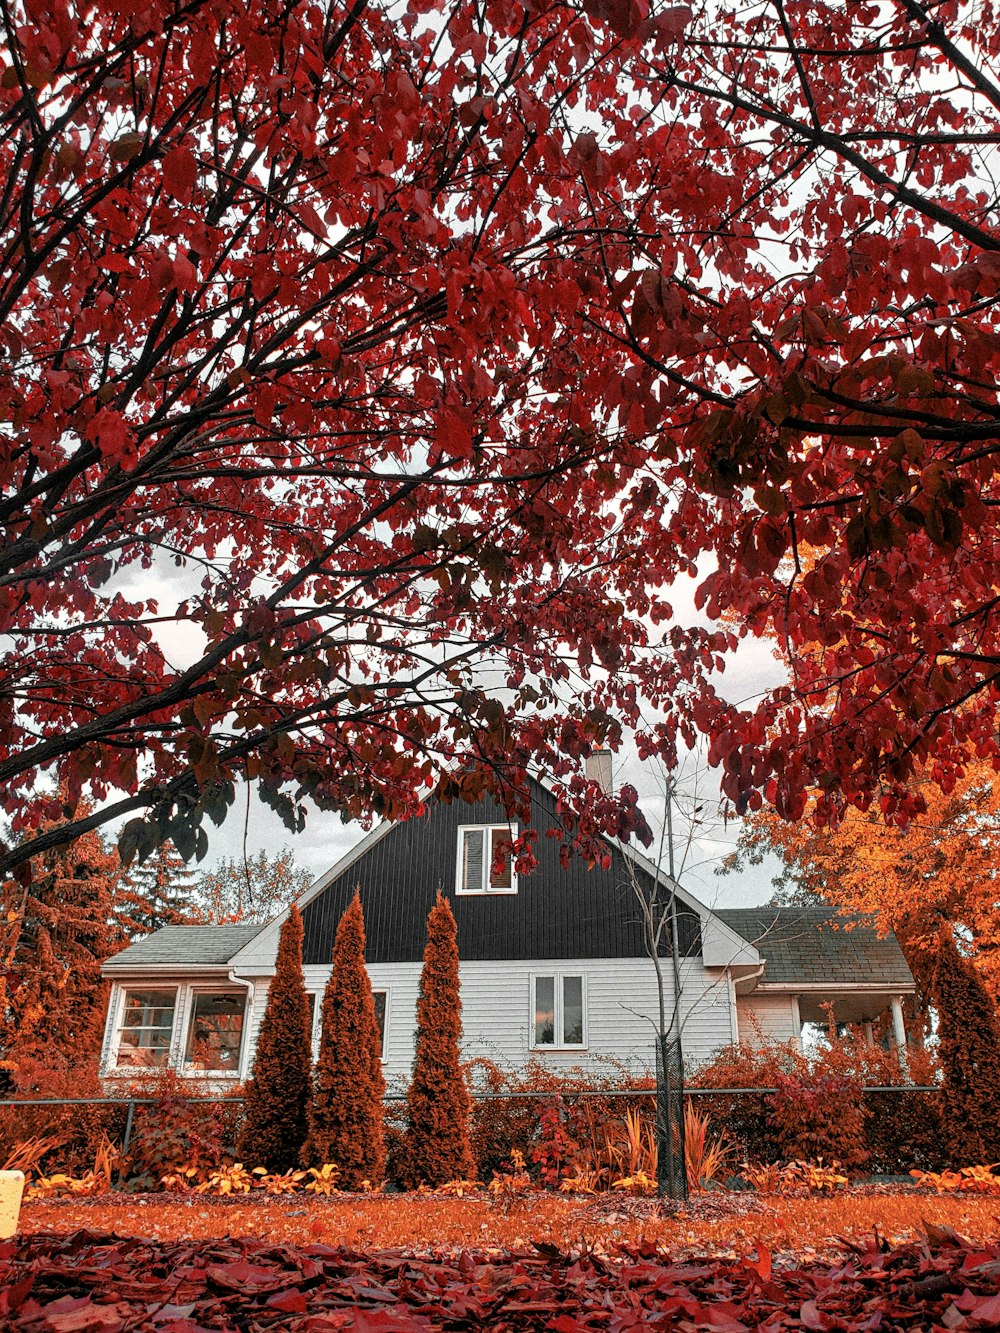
(472, 860)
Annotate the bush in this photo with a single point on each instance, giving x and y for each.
(819, 1115)
(276, 1114)
(174, 1133)
(969, 1037)
(346, 1119)
(439, 1109)
(504, 1122)
(78, 1130)
(898, 1130)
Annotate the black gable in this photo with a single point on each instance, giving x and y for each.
(556, 913)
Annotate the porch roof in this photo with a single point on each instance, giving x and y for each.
(818, 946)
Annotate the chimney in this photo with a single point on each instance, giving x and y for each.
(598, 769)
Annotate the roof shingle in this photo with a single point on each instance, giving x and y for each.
(819, 946)
(185, 946)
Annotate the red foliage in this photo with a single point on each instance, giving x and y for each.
(345, 1123)
(380, 319)
(969, 1043)
(438, 1102)
(819, 1115)
(89, 1280)
(176, 1132)
(276, 1110)
(554, 1150)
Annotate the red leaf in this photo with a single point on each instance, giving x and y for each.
(180, 171)
(291, 1301)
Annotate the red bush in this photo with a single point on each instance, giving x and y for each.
(277, 1099)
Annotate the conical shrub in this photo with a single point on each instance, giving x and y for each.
(348, 1086)
(276, 1110)
(438, 1147)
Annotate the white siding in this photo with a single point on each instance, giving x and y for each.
(765, 1018)
(620, 1003)
(496, 1012)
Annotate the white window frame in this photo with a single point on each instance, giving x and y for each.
(125, 989)
(184, 997)
(509, 831)
(190, 999)
(559, 978)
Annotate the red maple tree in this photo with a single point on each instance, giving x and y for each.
(427, 339)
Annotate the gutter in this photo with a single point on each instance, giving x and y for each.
(245, 1044)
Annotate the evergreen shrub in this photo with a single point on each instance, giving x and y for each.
(276, 1110)
(346, 1119)
(438, 1104)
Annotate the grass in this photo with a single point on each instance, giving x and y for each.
(802, 1227)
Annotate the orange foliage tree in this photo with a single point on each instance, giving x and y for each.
(438, 1102)
(277, 1100)
(345, 1124)
(940, 872)
(56, 932)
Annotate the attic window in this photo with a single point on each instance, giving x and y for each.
(485, 864)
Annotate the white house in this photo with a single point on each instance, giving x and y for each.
(553, 964)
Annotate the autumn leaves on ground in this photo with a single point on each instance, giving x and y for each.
(410, 1264)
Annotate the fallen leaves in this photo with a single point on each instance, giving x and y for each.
(711, 1222)
(85, 1282)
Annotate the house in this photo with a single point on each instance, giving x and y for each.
(553, 963)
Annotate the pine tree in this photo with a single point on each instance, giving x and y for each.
(57, 931)
(969, 1046)
(348, 1087)
(438, 1147)
(277, 1097)
(159, 892)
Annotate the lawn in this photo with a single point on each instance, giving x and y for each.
(419, 1264)
(713, 1223)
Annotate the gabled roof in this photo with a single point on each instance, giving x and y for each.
(184, 947)
(583, 914)
(818, 946)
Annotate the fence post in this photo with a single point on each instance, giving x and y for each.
(129, 1118)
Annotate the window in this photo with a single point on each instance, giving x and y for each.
(215, 1032)
(485, 864)
(381, 998)
(146, 1029)
(557, 1011)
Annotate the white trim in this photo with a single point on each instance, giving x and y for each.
(796, 1022)
(193, 992)
(184, 996)
(836, 987)
(734, 1016)
(558, 997)
(486, 887)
